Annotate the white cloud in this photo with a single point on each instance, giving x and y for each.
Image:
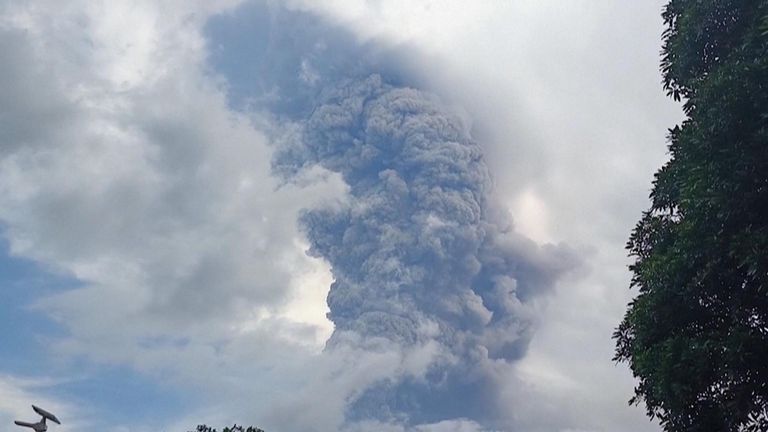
(123, 167)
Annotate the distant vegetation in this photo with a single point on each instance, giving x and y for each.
(696, 336)
(234, 428)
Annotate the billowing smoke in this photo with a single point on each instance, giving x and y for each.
(420, 253)
(435, 296)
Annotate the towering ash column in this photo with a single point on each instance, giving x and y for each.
(420, 253)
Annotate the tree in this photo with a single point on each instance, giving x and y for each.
(696, 336)
(234, 428)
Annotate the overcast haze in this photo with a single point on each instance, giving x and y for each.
(183, 182)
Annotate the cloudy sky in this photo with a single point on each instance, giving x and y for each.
(182, 183)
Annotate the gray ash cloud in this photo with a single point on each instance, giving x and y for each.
(420, 252)
(425, 261)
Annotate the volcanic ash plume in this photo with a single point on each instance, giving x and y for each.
(420, 254)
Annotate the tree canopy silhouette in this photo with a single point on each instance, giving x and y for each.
(234, 428)
(696, 336)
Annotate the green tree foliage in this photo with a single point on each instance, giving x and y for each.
(234, 428)
(696, 336)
